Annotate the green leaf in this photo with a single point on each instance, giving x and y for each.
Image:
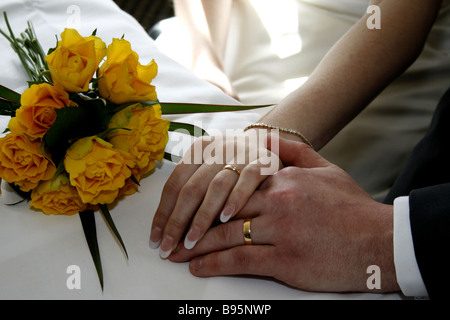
(91, 117)
(133, 178)
(109, 220)
(8, 108)
(90, 231)
(193, 130)
(9, 95)
(23, 194)
(9, 101)
(182, 108)
(172, 157)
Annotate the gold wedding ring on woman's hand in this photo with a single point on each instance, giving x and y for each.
(232, 168)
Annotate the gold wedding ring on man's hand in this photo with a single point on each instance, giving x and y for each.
(248, 231)
(232, 168)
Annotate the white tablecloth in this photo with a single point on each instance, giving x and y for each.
(36, 250)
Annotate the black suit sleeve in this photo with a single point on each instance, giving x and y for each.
(429, 163)
(426, 179)
(430, 226)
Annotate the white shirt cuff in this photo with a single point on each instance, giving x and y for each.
(408, 274)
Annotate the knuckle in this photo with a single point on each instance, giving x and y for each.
(189, 191)
(252, 170)
(175, 224)
(287, 196)
(290, 173)
(160, 217)
(204, 216)
(175, 181)
(219, 183)
(172, 186)
(303, 147)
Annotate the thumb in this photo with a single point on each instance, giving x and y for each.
(293, 153)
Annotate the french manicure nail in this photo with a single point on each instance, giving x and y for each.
(166, 247)
(165, 254)
(189, 244)
(227, 212)
(154, 245)
(191, 238)
(155, 234)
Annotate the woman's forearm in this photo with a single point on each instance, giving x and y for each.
(360, 65)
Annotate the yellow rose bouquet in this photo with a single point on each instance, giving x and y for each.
(87, 129)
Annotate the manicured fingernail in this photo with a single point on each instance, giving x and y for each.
(166, 247)
(155, 238)
(191, 238)
(227, 212)
(154, 244)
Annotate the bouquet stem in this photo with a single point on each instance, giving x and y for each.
(29, 51)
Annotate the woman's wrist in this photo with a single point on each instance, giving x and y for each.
(281, 131)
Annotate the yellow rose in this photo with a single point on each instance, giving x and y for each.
(21, 162)
(57, 196)
(75, 60)
(37, 112)
(97, 170)
(122, 79)
(146, 138)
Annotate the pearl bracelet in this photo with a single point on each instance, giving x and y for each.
(290, 131)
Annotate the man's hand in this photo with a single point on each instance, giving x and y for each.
(312, 227)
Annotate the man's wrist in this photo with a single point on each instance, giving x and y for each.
(383, 247)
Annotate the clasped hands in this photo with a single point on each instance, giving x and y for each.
(312, 227)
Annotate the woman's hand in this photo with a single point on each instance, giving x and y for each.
(312, 227)
(202, 189)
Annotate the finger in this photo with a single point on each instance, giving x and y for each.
(255, 206)
(188, 165)
(295, 153)
(225, 236)
(190, 197)
(248, 182)
(254, 260)
(181, 174)
(218, 191)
